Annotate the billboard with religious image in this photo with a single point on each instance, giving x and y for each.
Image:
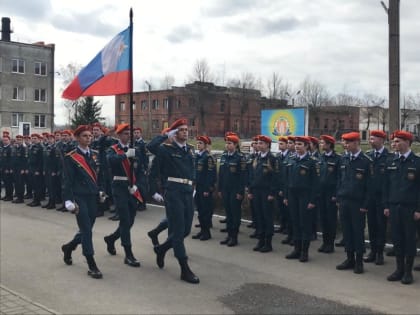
(283, 122)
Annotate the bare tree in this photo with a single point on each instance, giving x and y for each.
(277, 89)
(313, 93)
(167, 82)
(67, 74)
(201, 72)
(372, 110)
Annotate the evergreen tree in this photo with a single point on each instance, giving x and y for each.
(88, 112)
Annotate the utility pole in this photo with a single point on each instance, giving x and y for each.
(393, 13)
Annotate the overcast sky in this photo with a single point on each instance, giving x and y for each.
(341, 43)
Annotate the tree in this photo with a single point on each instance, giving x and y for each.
(67, 74)
(167, 82)
(201, 71)
(276, 88)
(89, 112)
(313, 93)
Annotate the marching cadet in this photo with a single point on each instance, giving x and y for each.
(20, 166)
(231, 187)
(301, 195)
(141, 166)
(7, 167)
(377, 221)
(353, 197)
(205, 173)
(35, 169)
(125, 193)
(283, 212)
(80, 191)
(176, 165)
(329, 166)
(263, 187)
(402, 204)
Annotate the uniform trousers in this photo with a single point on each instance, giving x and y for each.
(85, 220)
(233, 211)
(328, 215)
(377, 222)
(403, 227)
(353, 225)
(302, 217)
(204, 208)
(264, 212)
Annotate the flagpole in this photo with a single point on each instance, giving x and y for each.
(130, 67)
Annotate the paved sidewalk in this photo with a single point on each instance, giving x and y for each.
(15, 303)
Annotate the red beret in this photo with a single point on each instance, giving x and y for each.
(264, 139)
(282, 139)
(164, 131)
(177, 123)
(313, 140)
(121, 128)
(351, 136)
(96, 124)
(51, 135)
(405, 135)
(66, 132)
(291, 138)
(19, 137)
(204, 139)
(57, 132)
(231, 133)
(35, 135)
(232, 138)
(80, 129)
(138, 128)
(328, 138)
(45, 134)
(378, 133)
(26, 137)
(303, 139)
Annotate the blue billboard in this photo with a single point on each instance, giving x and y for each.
(283, 122)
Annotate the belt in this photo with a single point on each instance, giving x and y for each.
(120, 178)
(180, 180)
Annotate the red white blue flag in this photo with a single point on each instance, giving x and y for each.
(109, 73)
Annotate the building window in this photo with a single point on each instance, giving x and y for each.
(16, 119)
(18, 66)
(40, 68)
(155, 104)
(122, 107)
(143, 105)
(165, 103)
(222, 106)
(18, 93)
(134, 105)
(40, 95)
(39, 121)
(155, 124)
(178, 104)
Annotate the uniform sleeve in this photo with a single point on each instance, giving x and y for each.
(244, 175)
(153, 146)
(369, 185)
(114, 158)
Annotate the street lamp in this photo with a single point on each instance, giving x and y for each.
(150, 111)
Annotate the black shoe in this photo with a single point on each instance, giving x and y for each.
(349, 263)
(267, 246)
(259, 245)
(225, 241)
(340, 243)
(287, 240)
(110, 245)
(46, 205)
(322, 248)
(197, 225)
(233, 241)
(223, 230)
(131, 261)
(253, 235)
(358, 267)
(95, 274)
(62, 208)
(66, 248)
(186, 274)
(34, 204)
(153, 236)
(141, 207)
(114, 218)
(27, 196)
(51, 206)
(371, 257)
(329, 248)
(223, 220)
(391, 253)
(295, 254)
(197, 236)
(160, 256)
(18, 201)
(205, 236)
(8, 198)
(379, 259)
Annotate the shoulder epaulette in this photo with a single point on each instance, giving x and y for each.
(368, 157)
(95, 151)
(71, 152)
(368, 152)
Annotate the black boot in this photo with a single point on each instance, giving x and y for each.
(129, 257)
(287, 240)
(67, 250)
(305, 250)
(348, 263)
(267, 245)
(253, 235)
(93, 271)
(227, 239)
(417, 268)
(153, 234)
(399, 272)
(371, 257)
(408, 270)
(110, 245)
(205, 235)
(197, 236)
(322, 248)
(340, 243)
(329, 247)
(358, 267)
(259, 245)
(295, 254)
(379, 258)
(161, 252)
(233, 241)
(391, 252)
(186, 274)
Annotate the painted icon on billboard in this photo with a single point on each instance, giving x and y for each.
(283, 122)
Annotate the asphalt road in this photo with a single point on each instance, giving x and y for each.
(233, 280)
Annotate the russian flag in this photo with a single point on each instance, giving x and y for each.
(109, 73)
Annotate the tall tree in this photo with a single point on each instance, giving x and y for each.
(67, 74)
(201, 71)
(313, 93)
(276, 88)
(88, 112)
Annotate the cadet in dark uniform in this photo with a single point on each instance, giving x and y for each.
(377, 221)
(205, 170)
(20, 166)
(232, 181)
(329, 166)
(176, 164)
(80, 191)
(141, 165)
(402, 205)
(263, 188)
(36, 168)
(301, 195)
(353, 197)
(125, 192)
(7, 167)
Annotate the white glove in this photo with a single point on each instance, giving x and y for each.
(102, 197)
(131, 152)
(194, 193)
(70, 206)
(132, 189)
(172, 133)
(157, 197)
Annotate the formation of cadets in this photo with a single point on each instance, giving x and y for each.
(307, 182)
